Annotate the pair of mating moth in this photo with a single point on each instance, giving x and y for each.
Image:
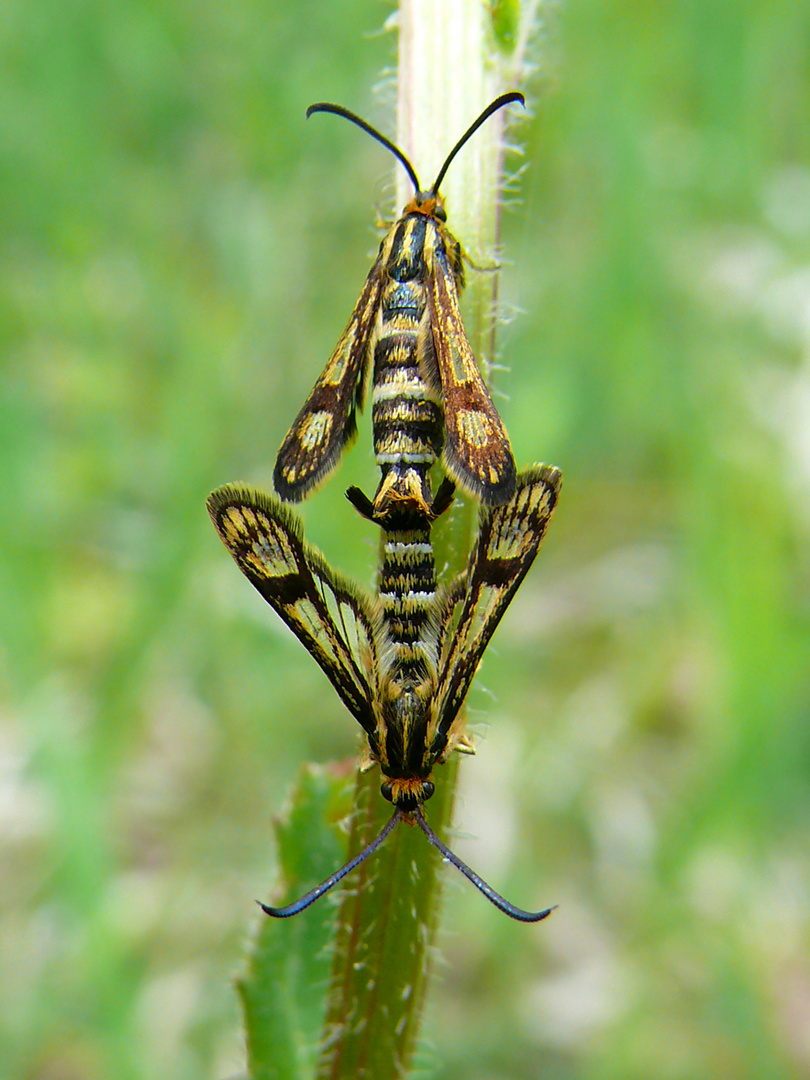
(401, 660)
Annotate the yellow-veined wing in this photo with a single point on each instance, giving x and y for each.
(509, 538)
(477, 454)
(327, 421)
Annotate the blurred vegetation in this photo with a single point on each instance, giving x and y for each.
(180, 252)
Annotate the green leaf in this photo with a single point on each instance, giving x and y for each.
(284, 987)
(505, 16)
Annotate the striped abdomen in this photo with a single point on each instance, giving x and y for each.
(408, 593)
(407, 590)
(407, 416)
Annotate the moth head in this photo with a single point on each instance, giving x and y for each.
(416, 816)
(424, 202)
(406, 795)
(429, 203)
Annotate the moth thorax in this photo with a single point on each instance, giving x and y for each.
(405, 715)
(405, 259)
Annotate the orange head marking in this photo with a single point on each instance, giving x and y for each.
(429, 203)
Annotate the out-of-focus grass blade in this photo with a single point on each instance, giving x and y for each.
(283, 990)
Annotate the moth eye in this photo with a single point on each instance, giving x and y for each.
(441, 213)
(386, 790)
(428, 787)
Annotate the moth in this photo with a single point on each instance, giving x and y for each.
(407, 327)
(401, 660)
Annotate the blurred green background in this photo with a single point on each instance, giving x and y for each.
(180, 252)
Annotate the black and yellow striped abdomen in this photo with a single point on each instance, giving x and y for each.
(407, 591)
(407, 414)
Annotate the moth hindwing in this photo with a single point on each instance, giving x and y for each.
(411, 294)
(509, 538)
(334, 620)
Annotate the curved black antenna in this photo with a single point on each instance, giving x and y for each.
(498, 103)
(494, 897)
(316, 893)
(338, 110)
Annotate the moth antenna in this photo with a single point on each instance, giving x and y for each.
(498, 103)
(338, 110)
(495, 898)
(315, 894)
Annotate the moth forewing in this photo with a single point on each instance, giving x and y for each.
(327, 422)
(477, 453)
(336, 622)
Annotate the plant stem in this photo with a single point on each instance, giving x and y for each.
(450, 67)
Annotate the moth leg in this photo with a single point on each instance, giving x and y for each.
(489, 268)
(443, 497)
(361, 502)
(381, 219)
